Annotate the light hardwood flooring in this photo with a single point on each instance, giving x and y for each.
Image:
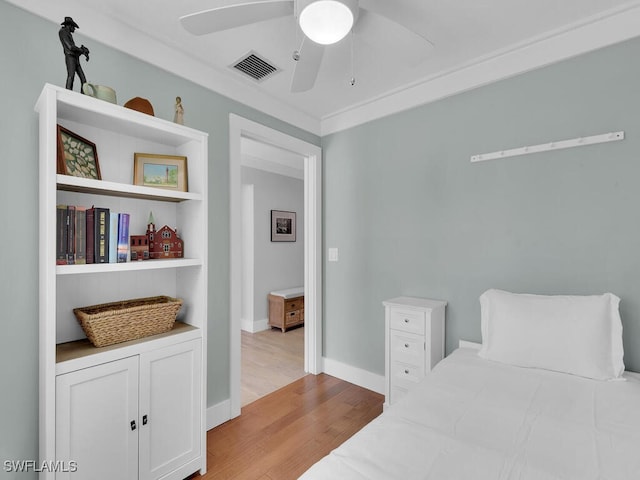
(281, 435)
(271, 359)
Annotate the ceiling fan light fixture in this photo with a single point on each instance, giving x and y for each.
(327, 21)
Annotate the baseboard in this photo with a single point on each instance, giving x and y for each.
(255, 326)
(355, 375)
(218, 414)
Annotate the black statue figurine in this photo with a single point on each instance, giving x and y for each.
(72, 53)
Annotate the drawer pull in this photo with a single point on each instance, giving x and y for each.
(406, 320)
(406, 345)
(406, 370)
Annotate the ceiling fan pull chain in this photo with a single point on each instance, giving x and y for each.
(353, 75)
(296, 53)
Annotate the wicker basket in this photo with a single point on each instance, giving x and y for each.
(117, 322)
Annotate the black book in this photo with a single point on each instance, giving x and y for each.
(100, 234)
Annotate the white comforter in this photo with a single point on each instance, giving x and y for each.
(476, 419)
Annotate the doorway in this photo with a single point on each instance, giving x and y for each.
(272, 183)
(240, 128)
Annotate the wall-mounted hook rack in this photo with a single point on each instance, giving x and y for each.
(543, 147)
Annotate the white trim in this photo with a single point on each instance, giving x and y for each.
(620, 25)
(218, 414)
(273, 167)
(614, 26)
(153, 51)
(467, 344)
(357, 376)
(239, 127)
(255, 326)
(545, 147)
(247, 311)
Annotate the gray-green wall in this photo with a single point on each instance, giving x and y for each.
(412, 216)
(409, 212)
(31, 56)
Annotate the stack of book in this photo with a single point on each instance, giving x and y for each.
(91, 235)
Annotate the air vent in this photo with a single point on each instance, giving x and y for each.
(255, 67)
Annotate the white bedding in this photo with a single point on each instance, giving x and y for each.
(476, 419)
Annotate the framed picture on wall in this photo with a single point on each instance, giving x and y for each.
(283, 226)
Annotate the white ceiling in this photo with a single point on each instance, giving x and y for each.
(474, 42)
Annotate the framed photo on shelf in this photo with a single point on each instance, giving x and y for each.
(160, 171)
(283, 226)
(76, 156)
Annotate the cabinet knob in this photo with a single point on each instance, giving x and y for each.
(406, 371)
(133, 425)
(406, 320)
(144, 420)
(406, 345)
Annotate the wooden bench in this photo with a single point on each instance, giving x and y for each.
(286, 308)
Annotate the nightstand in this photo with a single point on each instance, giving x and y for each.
(414, 342)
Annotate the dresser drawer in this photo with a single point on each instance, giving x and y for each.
(407, 348)
(397, 393)
(291, 318)
(405, 375)
(407, 321)
(293, 304)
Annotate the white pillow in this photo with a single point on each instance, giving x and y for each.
(581, 335)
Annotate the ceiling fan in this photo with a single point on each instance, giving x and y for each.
(323, 22)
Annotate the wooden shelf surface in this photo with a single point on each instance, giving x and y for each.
(83, 348)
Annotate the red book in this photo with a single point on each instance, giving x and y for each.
(61, 235)
(71, 235)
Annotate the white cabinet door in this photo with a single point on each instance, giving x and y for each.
(170, 408)
(95, 408)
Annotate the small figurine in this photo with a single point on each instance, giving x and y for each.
(179, 115)
(163, 243)
(139, 247)
(72, 52)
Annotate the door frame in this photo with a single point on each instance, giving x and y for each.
(241, 127)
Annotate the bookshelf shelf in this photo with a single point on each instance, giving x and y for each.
(114, 375)
(128, 266)
(102, 187)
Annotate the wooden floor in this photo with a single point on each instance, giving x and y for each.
(271, 359)
(278, 437)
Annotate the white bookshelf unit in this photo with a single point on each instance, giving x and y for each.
(143, 401)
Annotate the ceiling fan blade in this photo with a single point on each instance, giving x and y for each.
(231, 16)
(393, 11)
(307, 66)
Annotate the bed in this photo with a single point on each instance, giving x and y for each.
(475, 417)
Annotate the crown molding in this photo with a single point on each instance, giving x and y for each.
(127, 39)
(613, 27)
(606, 29)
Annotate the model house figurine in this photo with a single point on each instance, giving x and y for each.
(139, 247)
(163, 243)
